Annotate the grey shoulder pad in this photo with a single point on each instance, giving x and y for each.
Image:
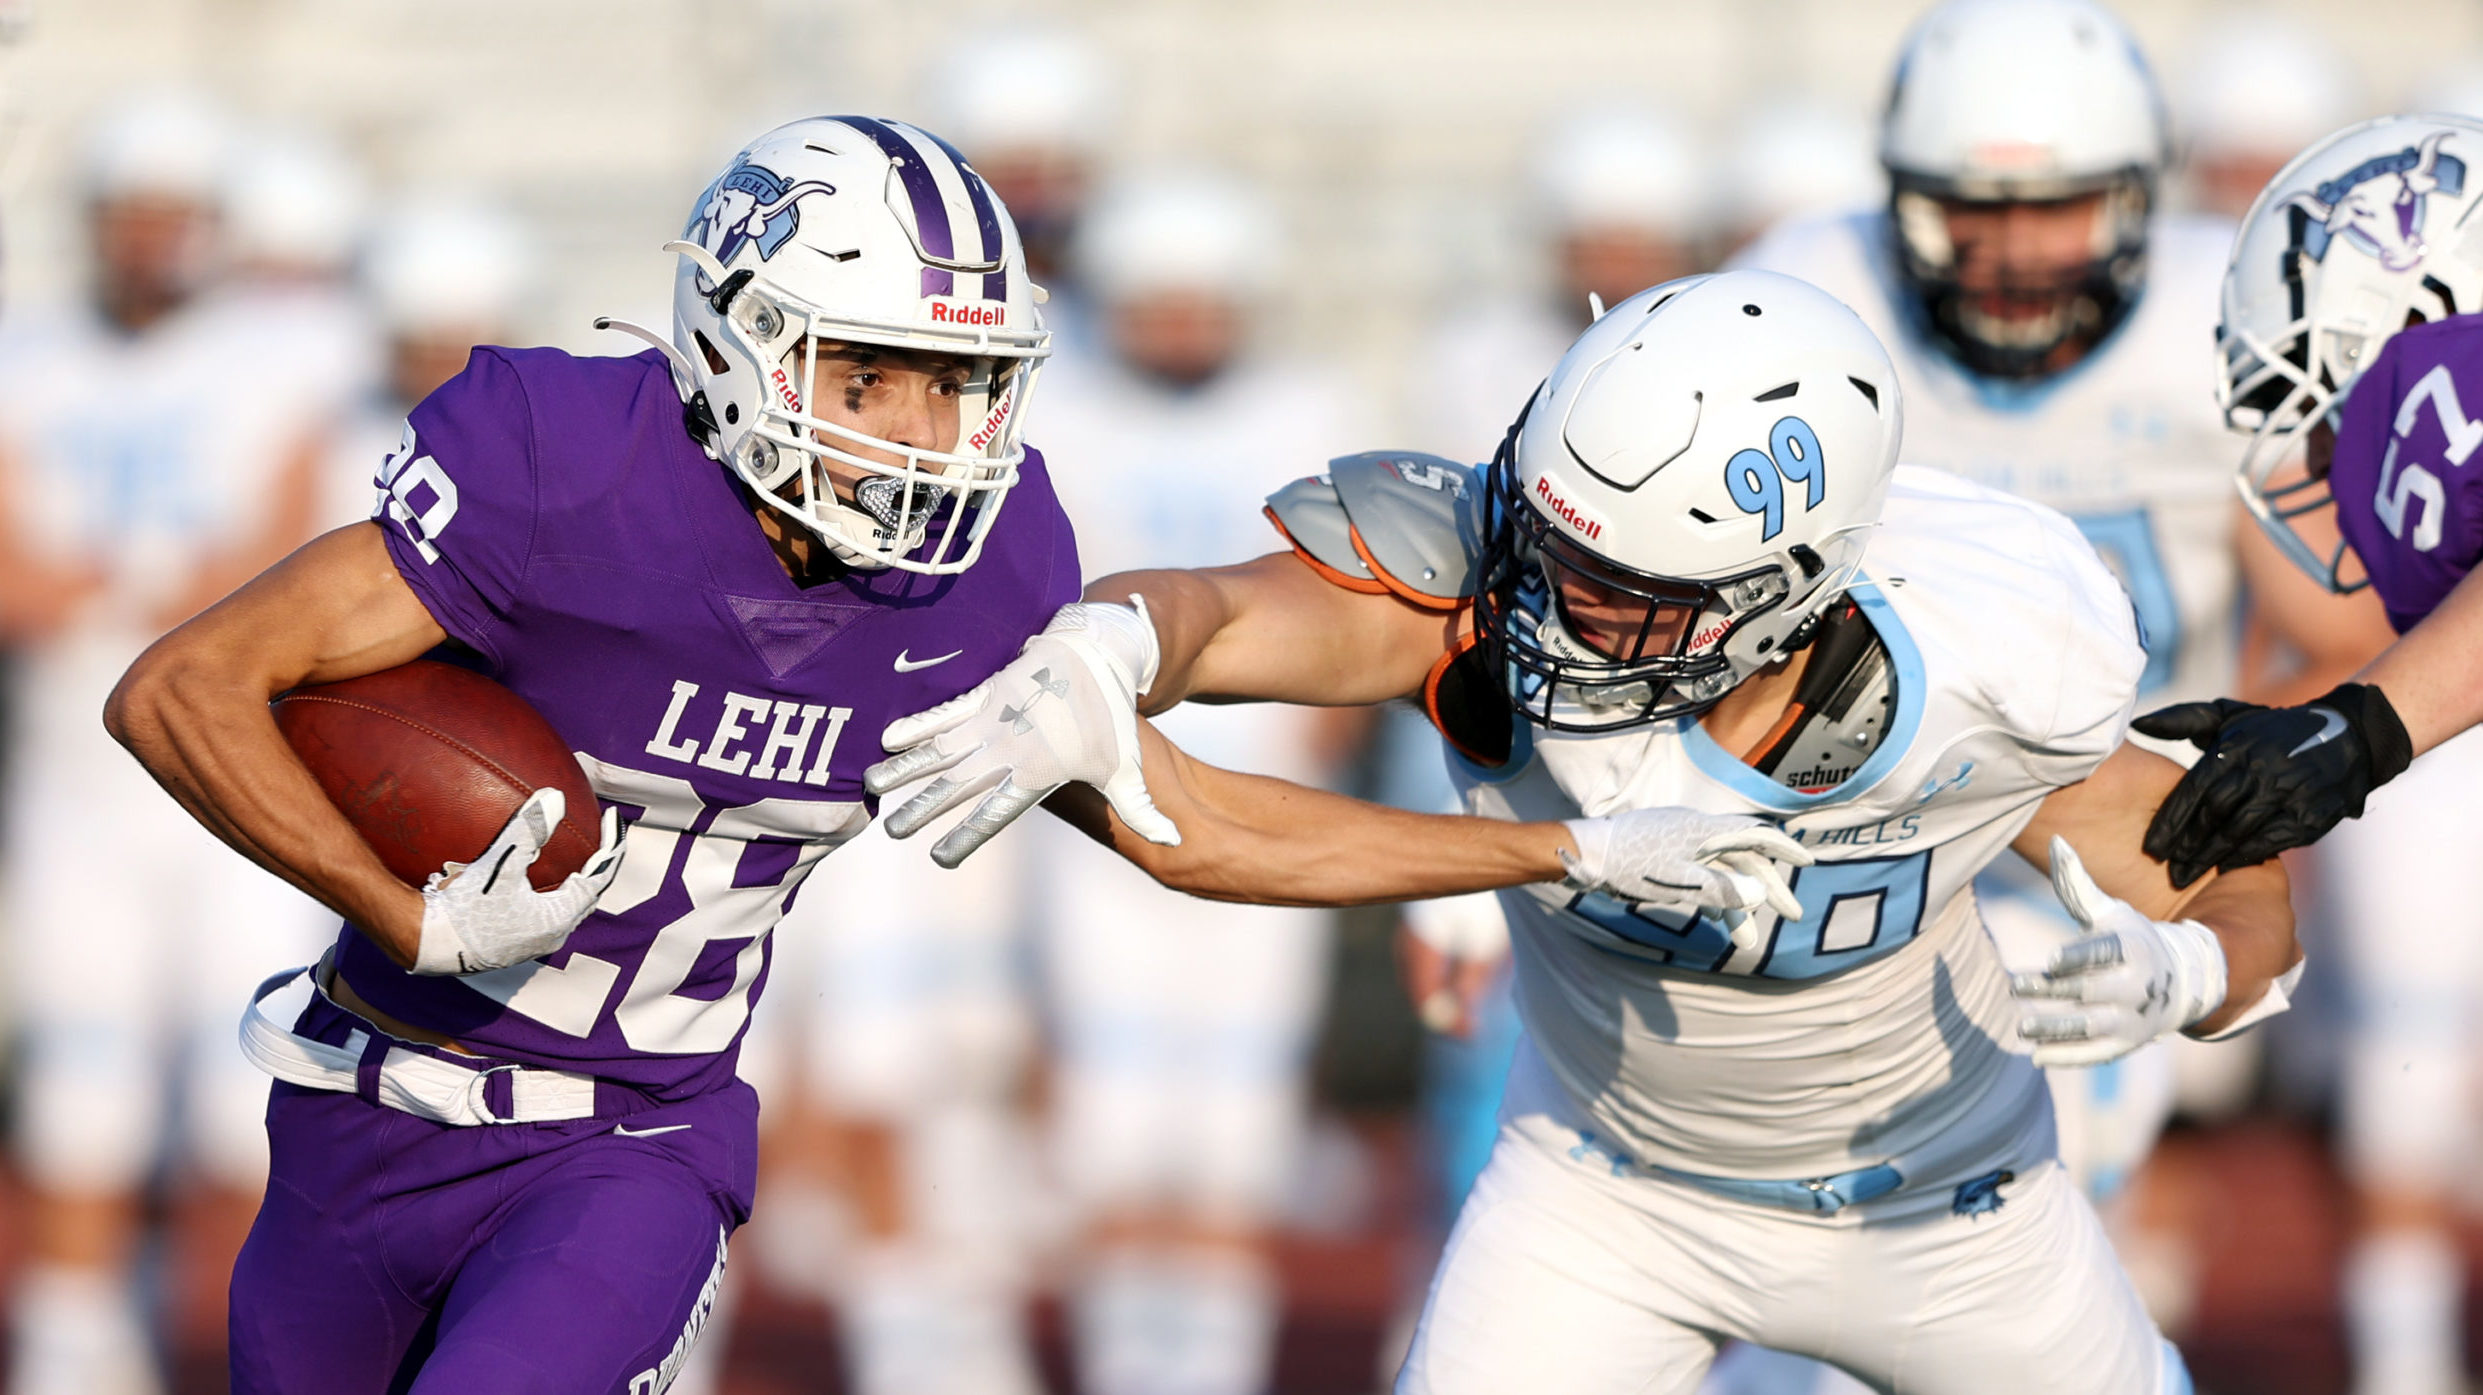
(1312, 518)
(1413, 515)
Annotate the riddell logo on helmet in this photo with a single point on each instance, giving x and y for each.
(992, 423)
(784, 389)
(945, 312)
(1586, 525)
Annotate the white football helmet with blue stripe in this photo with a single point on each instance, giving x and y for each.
(852, 229)
(1683, 498)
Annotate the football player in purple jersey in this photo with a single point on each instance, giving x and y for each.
(2351, 346)
(508, 1144)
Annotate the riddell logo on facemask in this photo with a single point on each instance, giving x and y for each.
(1700, 642)
(784, 389)
(949, 313)
(991, 424)
(1589, 528)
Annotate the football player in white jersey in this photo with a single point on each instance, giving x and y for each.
(2047, 319)
(141, 476)
(1182, 1027)
(1692, 602)
(1617, 204)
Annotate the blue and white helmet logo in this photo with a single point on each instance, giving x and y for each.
(2377, 206)
(750, 204)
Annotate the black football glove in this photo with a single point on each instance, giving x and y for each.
(2270, 778)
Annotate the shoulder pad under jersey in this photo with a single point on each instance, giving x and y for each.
(1393, 521)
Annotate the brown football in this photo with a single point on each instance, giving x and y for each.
(429, 760)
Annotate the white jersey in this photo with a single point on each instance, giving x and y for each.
(2128, 442)
(140, 458)
(1874, 1031)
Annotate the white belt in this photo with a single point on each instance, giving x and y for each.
(387, 1071)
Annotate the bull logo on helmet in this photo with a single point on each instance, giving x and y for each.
(2378, 205)
(750, 204)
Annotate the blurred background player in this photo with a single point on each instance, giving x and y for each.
(142, 474)
(1031, 107)
(2045, 316)
(1797, 156)
(293, 211)
(1620, 202)
(896, 1063)
(441, 274)
(2259, 86)
(1181, 1026)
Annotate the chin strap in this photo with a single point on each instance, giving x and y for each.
(696, 415)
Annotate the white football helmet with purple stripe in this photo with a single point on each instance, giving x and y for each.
(851, 229)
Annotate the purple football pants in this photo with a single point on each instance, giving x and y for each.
(394, 1256)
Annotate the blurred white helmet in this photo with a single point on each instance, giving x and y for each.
(2365, 232)
(2457, 88)
(294, 201)
(1182, 230)
(448, 265)
(166, 142)
(2022, 100)
(1624, 167)
(2263, 84)
(857, 230)
(1795, 157)
(1024, 88)
(1706, 462)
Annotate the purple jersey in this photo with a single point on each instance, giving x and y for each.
(555, 518)
(2405, 495)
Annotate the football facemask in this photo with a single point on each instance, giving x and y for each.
(1583, 644)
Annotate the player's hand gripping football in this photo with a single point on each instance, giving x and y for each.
(2270, 778)
(1065, 709)
(2125, 980)
(1683, 861)
(484, 914)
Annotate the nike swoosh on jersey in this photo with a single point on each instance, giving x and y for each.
(2331, 724)
(625, 1131)
(906, 664)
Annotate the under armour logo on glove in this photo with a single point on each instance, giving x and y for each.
(1001, 736)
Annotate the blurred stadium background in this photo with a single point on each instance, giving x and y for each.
(1402, 148)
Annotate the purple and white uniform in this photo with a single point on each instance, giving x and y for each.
(556, 519)
(2405, 497)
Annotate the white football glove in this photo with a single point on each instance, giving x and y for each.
(1690, 863)
(1065, 709)
(484, 914)
(2124, 982)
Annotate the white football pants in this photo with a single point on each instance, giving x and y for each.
(1562, 1276)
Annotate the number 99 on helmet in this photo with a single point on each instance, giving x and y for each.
(1683, 498)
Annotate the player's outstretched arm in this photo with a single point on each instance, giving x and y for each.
(2207, 959)
(194, 711)
(2433, 676)
(1065, 711)
(1273, 630)
(1252, 838)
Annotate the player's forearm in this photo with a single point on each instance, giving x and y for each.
(1251, 838)
(2251, 915)
(202, 728)
(2433, 676)
(1271, 630)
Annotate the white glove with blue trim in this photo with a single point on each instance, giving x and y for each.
(2125, 981)
(1065, 709)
